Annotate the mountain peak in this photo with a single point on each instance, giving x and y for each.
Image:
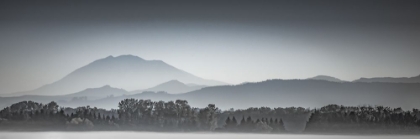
(102, 87)
(323, 76)
(173, 82)
(326, 78)
(125, 71)
(127, 57)
(106, 86)
(119, 59)
(130, 56)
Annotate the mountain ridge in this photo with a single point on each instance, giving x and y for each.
(99, 93)
(326, 78)
(126, 71)
(269, 93)
(284, 93)
(415, 79)
(172, 87)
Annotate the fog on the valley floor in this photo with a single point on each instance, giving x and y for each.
(153, 135)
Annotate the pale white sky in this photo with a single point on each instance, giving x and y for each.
(229, 41)
(225, 52)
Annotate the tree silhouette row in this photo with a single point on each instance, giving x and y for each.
(147, 115)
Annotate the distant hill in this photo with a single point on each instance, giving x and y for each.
(126, 71)
(285, 93)
(172, 87)
(270, 93)
(307, 93)
(73, 99)
(391, 80)
(99, 93)
(326, 78)
(192, 85)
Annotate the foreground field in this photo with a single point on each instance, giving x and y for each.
(151, 135)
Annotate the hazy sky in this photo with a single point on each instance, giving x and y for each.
(229, 41)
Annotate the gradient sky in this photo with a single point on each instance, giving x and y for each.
(229, 41)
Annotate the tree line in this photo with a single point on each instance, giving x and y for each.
(179, 116)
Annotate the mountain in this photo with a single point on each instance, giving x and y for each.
(99, 93)
(270, 93)
(306, 93)
(192, 85)
(172, 87)
(284, 93)
(127, 71)
(73, 99)
(391, 80)
(326, 78)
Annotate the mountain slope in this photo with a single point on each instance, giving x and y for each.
(84, 96)
(126, 71)
(172, 87)
(326, 78)
(308, 93)
(285, 93)
(391, 80)
(271, 93)
(99, 93)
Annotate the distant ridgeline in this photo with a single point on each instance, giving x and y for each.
(179, 116)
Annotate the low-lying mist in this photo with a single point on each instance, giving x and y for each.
(152, 135)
